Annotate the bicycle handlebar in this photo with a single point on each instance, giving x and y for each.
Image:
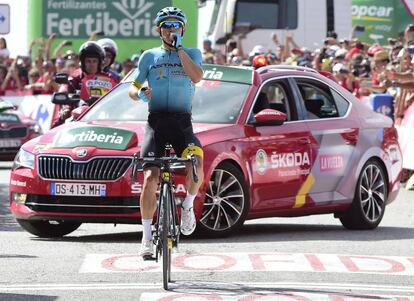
(165, 161)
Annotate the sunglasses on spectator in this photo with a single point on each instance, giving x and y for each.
(171, 24)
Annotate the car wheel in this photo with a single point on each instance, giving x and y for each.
(49, 228)
(368, 206)
(227, 202)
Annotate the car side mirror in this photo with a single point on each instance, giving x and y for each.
(269, 117)
(61, 78)
(78, 112)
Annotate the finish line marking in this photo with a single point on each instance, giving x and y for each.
(253, 262)
(261, 291)
(202, 286)
(268, 296)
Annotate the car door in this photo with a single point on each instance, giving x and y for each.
(279, 155)
(334, 133)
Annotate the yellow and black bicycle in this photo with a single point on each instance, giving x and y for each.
(167, 226)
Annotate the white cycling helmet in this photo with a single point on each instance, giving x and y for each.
(109, 45)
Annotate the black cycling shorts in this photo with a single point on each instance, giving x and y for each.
(174, 128)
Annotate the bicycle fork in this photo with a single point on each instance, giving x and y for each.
(174, 232)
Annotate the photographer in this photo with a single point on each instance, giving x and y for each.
(44, 84)
(12, 79)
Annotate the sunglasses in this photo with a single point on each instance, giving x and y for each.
(171, 24)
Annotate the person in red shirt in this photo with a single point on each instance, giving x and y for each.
(381, 60)
(346, 79)
(89, 81)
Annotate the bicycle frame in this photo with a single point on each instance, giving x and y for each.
(167, 230)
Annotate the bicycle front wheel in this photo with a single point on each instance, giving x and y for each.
(166, 237)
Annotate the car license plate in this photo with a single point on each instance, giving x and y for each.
(78, 189)
(10, 142)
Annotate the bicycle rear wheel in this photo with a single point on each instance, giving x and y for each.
(165, 237)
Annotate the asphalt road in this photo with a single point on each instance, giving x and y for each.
(308, 258)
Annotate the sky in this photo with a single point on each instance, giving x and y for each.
(17, 38)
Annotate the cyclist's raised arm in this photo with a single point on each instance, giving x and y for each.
(142, 73)
(191, 63)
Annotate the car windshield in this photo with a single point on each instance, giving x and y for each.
(214, 102)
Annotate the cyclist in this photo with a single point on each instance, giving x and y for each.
(111, 50)
(171, 71)
(90, 80)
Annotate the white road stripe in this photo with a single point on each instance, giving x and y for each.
(268, 296)
(206, 286)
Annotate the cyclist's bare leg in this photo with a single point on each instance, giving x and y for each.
(188, 220)
(192, 187)
(148, 204)
(148, 201)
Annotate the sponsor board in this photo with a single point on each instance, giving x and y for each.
(382, 19)
(120, 19)
(37, 107)
(226, 74)
(100, 137)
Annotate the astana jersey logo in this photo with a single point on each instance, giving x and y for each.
(161, 74)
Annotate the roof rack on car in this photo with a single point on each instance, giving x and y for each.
(285, 67)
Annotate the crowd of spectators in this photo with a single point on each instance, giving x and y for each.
(359, 67)
(33, 72)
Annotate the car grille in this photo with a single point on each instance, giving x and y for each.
(85, 205)
(99, 169)
(16, 132)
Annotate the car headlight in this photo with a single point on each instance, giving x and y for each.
(23, 159)
(36, 128)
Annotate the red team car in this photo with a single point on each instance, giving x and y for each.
(15, 130)
(278, 141)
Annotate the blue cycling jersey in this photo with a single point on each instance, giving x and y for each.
(172, 89)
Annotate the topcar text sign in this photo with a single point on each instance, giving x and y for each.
(117, 19)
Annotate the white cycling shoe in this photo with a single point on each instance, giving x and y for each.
(188, 221)
(147, 248)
